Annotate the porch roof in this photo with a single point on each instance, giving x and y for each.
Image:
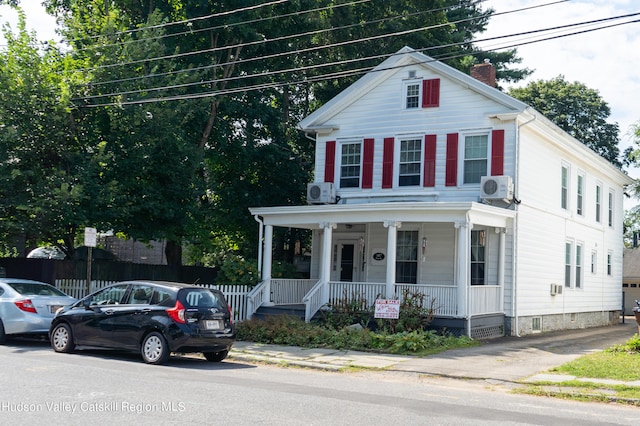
(314, 216)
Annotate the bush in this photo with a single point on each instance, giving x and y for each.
(630, 346)
(287, 330)
(235, 270)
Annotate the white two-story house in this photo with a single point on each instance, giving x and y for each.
(431, 180)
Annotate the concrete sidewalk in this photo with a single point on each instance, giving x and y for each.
(508, 359)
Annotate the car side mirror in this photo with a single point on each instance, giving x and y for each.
(87, 303)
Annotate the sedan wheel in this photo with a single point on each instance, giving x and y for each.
(155, 349)
(62, 339)
(215, 356)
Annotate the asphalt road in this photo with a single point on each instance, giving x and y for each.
(40, 387)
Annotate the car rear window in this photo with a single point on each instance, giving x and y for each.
(35, 289)
(202, 298)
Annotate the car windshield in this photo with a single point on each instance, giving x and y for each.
(202, 298)
(35, 289)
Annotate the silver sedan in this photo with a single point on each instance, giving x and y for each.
(27, 307)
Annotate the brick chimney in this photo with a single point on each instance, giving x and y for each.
(485, 73)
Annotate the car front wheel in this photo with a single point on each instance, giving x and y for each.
(62, 338)
(215, 356)
(155, 349)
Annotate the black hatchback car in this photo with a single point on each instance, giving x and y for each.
(154, 318)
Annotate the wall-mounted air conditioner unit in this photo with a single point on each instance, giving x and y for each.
(556, 289)
(321, 193)
(496, 188)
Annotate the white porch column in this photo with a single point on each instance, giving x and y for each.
(392, 238)
(267, 262)
(501, 255)
(501, 264)
(462, 270)
(325, 270)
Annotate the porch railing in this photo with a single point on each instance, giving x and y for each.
(444, 297)
(486, 299)
(313, 301)
(290, 291)
(255, 298)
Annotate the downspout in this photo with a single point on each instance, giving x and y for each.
(515, 233)
(260, 244)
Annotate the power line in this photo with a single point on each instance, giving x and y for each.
(230, 25)
(183, 85)
(345, 73)
(239, 45)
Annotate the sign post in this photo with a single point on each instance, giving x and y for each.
(89, 242)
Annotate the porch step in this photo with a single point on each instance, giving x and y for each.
(296, 310)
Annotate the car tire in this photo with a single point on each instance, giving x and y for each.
(3, 336)
(62, 338)
(155, 349)
(215, 356)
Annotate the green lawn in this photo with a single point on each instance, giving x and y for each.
(621, 363)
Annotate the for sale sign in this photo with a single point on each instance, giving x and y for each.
(387, 308)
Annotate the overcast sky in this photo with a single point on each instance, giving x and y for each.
(607, 60)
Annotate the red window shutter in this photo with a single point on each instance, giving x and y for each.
(431, 93)
(497, 153)
(330, 161)
(387, 163)
(367, 164)
(451, 175)
(429, 160)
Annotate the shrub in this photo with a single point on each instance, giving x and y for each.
(235, 270)
(630, 346)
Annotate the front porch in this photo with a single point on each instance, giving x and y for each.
(483, 321)
(459, 255)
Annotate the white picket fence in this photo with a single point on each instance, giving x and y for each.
(236, 294)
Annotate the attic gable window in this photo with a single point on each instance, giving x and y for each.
(421, 93)
(412, 95)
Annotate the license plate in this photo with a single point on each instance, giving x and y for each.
(212, 324)
(54, 308)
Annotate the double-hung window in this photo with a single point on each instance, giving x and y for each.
(598, 203)
(350, 164)
(579, 256)
(476, 158)
(564, 191)
(407, 257)
(580, 195)
(412, 91)
(610, 209)
(568, 250)
(410, 162)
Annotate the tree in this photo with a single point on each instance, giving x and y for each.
(577, 110)
(47, 178)
(191, 106)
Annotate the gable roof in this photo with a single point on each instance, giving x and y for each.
(406, 56)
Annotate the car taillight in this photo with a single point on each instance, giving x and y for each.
(177, 313)
(25, 305)
(230, 314)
